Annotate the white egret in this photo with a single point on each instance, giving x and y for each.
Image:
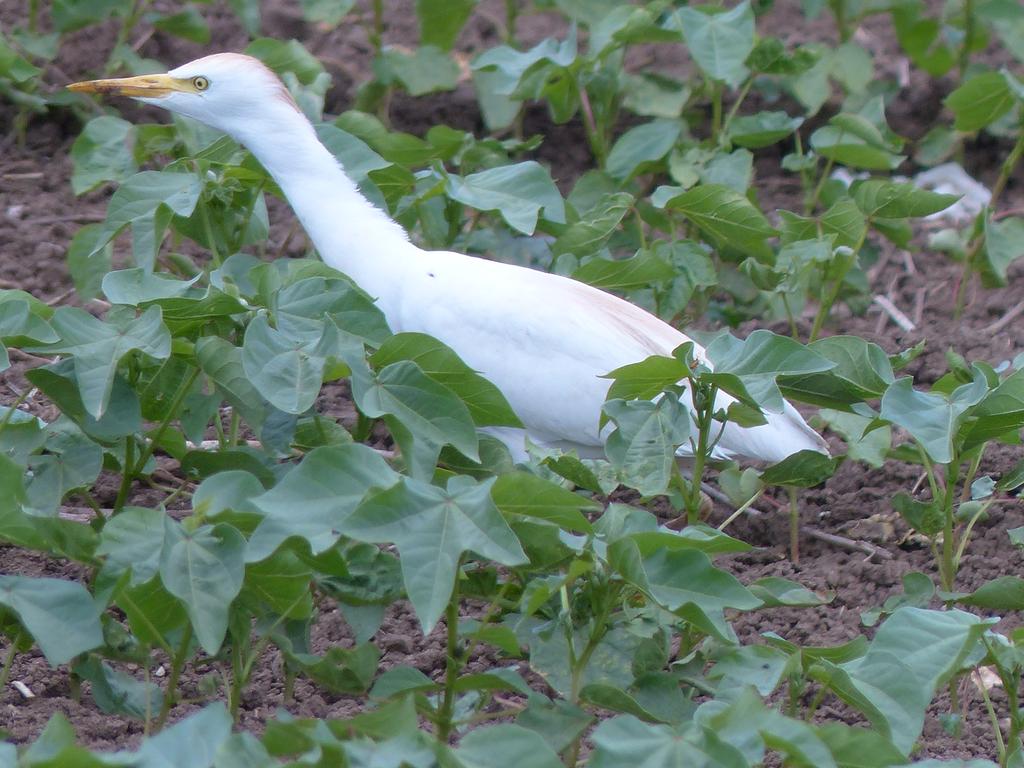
(543, 339)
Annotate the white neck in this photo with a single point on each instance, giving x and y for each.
(351, 234)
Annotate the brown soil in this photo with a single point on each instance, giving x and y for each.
(39, 215)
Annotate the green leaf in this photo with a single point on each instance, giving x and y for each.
(760, 666)
(620, 740)
(432, 414)
(188, 24)
(60, 615)
(776, 592)
(1004, 244)
(639, 271)
(980, 101)
(132, 540)
(442, 20)
(302, 309)
(519, 192)
(843, 220)
(88, 260)
(859, 746)
(914, 651)
(144, 202)
(98, 347)
(486, 404)
(684, 581)
(20, 325)
(117, 692)
(288, 56)
(72, 460)
(999, 414)
(520, 493)
(136, 286)
(205, 569)
(643, 445)
(122, 417)
(855, 142)
(923, 38)
(931, 419)
(222, 363)
(102, 152)
(1003, 593)
(198, 740)
(505, 744)
(650, 94)
(719, 41)
(311, 499)
(891, 200)
(759, 360)
(340, 670)
(353, 153)
(286, 372)
(640, 145)
(726, 215)
(762, 129)
(871, 447)
(426, 70)
(589, 234)
(327, 12)
(803, 469)
(432, 528)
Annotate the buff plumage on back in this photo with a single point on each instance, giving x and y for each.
(544, 340)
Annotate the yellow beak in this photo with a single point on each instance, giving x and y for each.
(144, 86)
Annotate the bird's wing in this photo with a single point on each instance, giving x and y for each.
(546, 341)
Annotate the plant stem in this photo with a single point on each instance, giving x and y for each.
(994, 720)
(127, 475)
(204, 214)
(177, 664)
(794, 527)
(453, 666)
(5, 672)
(736, 104)
(794, 332)
(377, 32)
(813, 202)
(965, 537)
(511, 16)
(579, 663)
(233, 428)
(238, 678)
(716, 111)
(12, 408)
(704, 411)
(837, 286)
(740, 510)
(842, 25)
(819, 697)
(1013, 707)
(594, 137)
(948, 565)
(172, 411)
(965, 49)
(979, 237)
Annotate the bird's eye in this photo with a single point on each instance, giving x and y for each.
(200, 83)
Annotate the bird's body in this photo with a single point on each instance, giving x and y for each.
(544, 340)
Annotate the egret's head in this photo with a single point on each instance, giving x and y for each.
(228, 91)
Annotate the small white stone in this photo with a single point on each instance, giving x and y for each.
(24, 690)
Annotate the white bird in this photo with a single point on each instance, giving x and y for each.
(544, 340)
